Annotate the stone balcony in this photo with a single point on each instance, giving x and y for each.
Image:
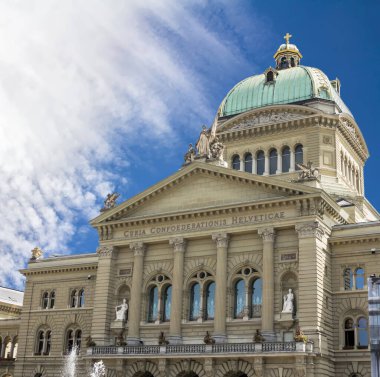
(200, 350)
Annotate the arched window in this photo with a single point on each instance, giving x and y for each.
(153, 304)
(284, 62)
(45, 300)
(270, 76)
(15, 347)
(81, 298)
(236, 162)
(195, 301)
(40, 343)
(362, 333)
(298, 155)
(210, 301)
(248, 162)
(348, 279)
(239, 299)
(47, 342)
(8, 347)
(73, 298)
(52, 299)
(78, 338)
(167, 300)
(260, 163)
(70, 340)
(285, 159)
(359, 278)
(256, 297)
(349, 334)
(273, 161)
(292, 62)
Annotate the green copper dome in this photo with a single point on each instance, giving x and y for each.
(290, 85)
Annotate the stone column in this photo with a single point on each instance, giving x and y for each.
(267, 313)
(266, 168)
(179, 246)
(103, 312)
(279, 162)
(292, 161)
(135, 302)
(254, 164)
(221, 240)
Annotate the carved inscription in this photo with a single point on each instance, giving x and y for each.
(203, 225)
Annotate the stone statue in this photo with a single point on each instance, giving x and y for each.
(208, 339)
(217, 149)
(36, 253)
(190, 154)
(121, 311)
(258, 338)
(288, 302)
(110, 201)
(307, 171)
(162, 340)
(203, 143)
(120, 339)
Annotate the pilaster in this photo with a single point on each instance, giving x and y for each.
(138, 249)
(104, 290)
(221, 240)
(179, 247)
(267, 314)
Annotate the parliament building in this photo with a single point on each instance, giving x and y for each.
(251, 260)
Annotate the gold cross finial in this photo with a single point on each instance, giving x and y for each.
(287, 37)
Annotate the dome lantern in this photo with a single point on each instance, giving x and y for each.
(287, 55)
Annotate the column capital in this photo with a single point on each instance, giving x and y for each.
(221, 239)
(106, 251)
(267, 234)
(311, 229)
(138, 248)
(178, 243)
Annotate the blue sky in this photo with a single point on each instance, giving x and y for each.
(101, 96)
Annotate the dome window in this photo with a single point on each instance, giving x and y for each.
(270, 75)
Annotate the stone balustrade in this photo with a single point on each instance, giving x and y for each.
(200, 349)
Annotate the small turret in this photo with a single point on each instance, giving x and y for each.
(287, 55)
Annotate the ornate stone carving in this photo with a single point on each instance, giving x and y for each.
(307, 172)
(267, 234)
(221, 239)
(178, 243)
(105, 251)
(258, 337)
(36, 253)
(267, 117)
(203, 143)
(350, 128)
(110, 201)
(312, 229)
(217, 149)
(138, 248)
(162, 363)
(208, 339)
(209, 367)
(162, 339)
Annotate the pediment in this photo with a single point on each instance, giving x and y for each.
(200, 187)
(266, 115)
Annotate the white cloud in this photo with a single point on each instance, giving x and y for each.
(78, 82)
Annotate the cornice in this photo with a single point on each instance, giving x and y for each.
(54, 269)
(356, 239)
(10, 309)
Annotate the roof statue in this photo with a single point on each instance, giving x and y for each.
(110, 201)
(203, 143)
(36, 253)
